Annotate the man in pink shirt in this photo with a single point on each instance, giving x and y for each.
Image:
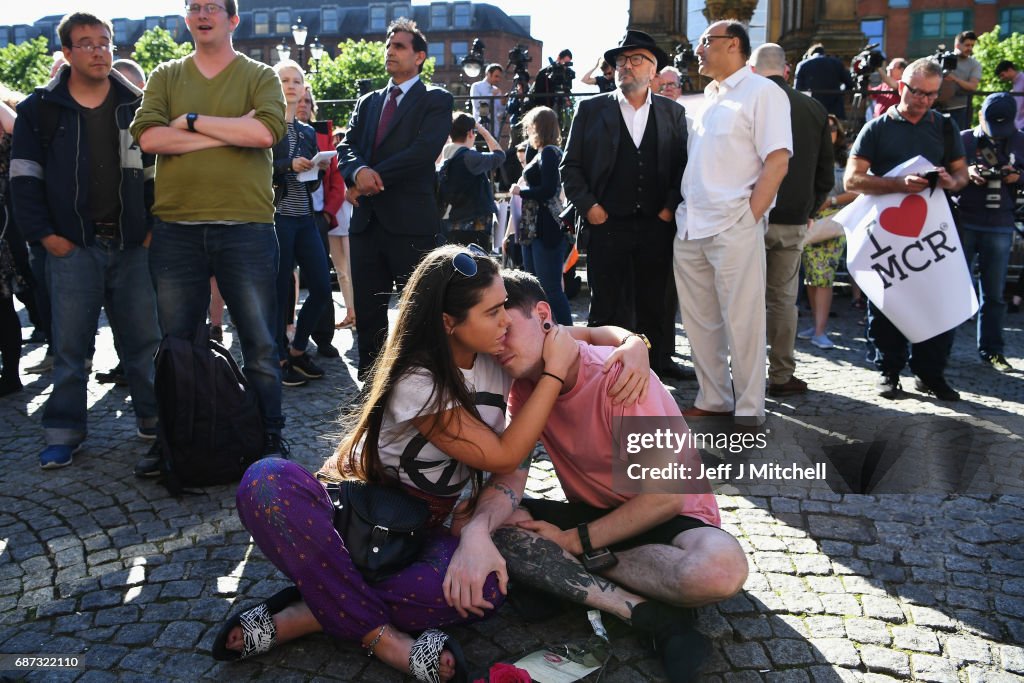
(645, 558)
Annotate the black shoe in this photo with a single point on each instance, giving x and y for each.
(327, 351)
(671, 370)
(889, 385)
(938, 387)
(275, 447)
(290, 377)
(305, 366)
(113, 376)
(681, 647)
(149, 464)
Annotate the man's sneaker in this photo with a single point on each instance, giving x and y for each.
(149, 464)
(147, 433)
(57, 455)
(275, 447)
(305, 365)
(998, 361)
(290, 377)
(39, 368)
(889, 385)
(805, 334)
(938, 387)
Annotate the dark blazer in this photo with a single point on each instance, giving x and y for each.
(305, 147)
(593, 146)
(811, 174)
(404, 160)
(823, 72)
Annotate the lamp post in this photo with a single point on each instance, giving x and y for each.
(473, 63)
(283, 51)
(299, 35)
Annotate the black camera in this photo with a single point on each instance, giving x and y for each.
(946, 59)
(865, 63)
(560, 76)
(993, 173)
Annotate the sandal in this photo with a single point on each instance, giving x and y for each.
(346, 324)
(426, 653)
(258, 628)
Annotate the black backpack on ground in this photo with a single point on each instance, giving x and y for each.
(210, 426)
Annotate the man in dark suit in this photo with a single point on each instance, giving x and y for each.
(622, 170)
(387, 159)
(819, 72)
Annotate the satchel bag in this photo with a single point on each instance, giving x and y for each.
(383, 527)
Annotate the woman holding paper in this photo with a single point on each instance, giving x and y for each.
(297, 233)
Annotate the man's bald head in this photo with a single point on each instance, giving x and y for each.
(769, 60)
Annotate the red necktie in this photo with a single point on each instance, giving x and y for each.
(390, 107)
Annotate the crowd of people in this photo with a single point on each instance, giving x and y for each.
(211, 180)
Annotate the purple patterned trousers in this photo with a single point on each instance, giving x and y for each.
(291, 518)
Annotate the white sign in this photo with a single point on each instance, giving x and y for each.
(903, 251)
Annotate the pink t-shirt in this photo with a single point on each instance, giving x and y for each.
(578, 436)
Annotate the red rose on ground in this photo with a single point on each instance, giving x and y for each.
(506, 673)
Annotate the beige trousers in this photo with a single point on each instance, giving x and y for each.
(782, 253)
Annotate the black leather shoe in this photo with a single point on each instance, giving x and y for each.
(888, 385)
(938, 387)
(674, 371)
(327, 351)
(149, 464)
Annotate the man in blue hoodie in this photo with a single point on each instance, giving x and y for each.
(82, 188)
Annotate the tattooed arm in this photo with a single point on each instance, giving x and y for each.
(476, 557)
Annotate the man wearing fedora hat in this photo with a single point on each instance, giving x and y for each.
(622, 169)
(995, 152)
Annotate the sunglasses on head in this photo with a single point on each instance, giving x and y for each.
(464, 262)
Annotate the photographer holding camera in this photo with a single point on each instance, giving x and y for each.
(554, 83)
(995, 152)
(960, 82)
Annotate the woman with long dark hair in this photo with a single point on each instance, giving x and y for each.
(433, 421)
(544, 255)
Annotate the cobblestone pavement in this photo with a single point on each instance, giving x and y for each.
(851, 587)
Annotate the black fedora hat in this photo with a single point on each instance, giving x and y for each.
(636, 40)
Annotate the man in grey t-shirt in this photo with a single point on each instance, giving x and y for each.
(960, 84)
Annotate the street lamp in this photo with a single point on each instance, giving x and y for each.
(283, 51)
(473, 63)
(299, 34)
(316, 50)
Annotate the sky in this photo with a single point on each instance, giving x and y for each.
(574, 24)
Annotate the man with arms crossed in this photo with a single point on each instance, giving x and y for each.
(212, 118)
(671, 553)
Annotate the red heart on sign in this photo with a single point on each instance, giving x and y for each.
(907, 219)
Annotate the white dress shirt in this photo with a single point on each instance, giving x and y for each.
(636, 119)
(746, 119)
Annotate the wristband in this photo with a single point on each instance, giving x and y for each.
(641, 337)
(562, 381)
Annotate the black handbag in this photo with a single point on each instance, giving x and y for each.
(383, 527)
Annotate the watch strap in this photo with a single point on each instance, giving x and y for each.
(190, 119)
(584, 533)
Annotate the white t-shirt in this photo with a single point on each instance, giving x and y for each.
(402, 447)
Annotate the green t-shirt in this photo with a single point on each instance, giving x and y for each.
(224, 183)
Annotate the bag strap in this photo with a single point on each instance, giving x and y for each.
(48, 121)
(947, 139)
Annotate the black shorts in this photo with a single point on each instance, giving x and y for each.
(569, 515)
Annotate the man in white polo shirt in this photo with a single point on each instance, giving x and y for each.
(738, 152)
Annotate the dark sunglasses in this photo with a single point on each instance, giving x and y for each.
(464, 262)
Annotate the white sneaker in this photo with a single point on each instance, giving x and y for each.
(805, 334)
(43, 366)
(822, 342)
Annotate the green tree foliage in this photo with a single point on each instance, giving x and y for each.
(155, 47)
(336, 79)
(25, 66)
(990, 50)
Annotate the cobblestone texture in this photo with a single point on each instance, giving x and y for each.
(843, 587)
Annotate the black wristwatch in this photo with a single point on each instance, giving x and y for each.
(190, 119)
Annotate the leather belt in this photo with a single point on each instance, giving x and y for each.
(110, 231)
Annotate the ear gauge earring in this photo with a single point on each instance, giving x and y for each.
(547, 325)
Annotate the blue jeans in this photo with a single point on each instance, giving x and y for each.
(79, 283)
(546, 263)
(243, 257)
(993, 250)
(300, 243)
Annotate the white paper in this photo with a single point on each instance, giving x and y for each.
(547, 667)
(913, 270)
(312, 173)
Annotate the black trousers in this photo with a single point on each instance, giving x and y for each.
(323, 333)
(893, 350)
(381, 262)
(629, 270)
